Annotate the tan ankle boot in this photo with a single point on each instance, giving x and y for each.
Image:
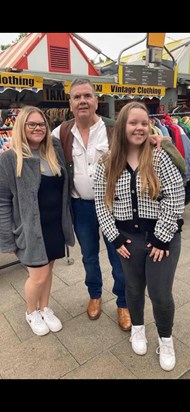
(124, 318)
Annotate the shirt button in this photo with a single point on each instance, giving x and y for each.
(132, 191)
(134, 210)
(90, 176)
(136, 226)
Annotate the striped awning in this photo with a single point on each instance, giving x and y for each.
(19, 89)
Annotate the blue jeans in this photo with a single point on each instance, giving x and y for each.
(86, 227)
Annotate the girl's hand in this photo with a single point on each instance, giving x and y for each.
(157, 254)
(123, 251)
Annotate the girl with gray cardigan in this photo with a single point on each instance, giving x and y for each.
(35, 219)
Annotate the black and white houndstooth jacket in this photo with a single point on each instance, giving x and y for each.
(166, 211)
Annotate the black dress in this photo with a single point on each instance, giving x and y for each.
(50, 205)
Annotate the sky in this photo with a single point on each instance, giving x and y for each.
(111, 44)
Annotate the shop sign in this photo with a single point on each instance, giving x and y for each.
(20, 81)
(147, 76)
(53, 95)
(124, 89)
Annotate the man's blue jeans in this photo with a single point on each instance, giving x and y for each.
(86, 227)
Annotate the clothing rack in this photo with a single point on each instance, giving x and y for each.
(170, 114)
(9, 264)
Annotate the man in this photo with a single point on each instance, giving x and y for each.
(84, 139)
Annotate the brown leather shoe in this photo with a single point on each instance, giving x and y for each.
(124, 318)
(94, 308)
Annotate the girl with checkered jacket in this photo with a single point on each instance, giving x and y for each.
(139, 196)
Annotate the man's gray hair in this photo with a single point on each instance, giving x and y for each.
(78, 81)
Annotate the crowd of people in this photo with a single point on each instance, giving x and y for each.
(88, 174)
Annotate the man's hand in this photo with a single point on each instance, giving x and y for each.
(7, 145)
(157, 140)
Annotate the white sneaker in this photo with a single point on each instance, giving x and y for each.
(138, 339)
(36, 323)
(51, 320)
(167, 353)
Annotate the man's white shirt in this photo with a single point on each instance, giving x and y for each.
(85, 159)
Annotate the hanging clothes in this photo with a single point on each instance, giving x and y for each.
(178, 128)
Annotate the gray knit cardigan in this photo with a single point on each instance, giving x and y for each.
(20, 227)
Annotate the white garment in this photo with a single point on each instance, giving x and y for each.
(56, 132)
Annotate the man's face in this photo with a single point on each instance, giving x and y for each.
(83, 102)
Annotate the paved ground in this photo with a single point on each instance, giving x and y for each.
(86, 349)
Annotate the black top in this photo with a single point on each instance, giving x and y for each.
(50, 205)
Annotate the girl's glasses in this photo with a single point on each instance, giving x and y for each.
(33, 125)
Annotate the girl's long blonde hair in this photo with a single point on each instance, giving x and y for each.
(20, 143)
(116, 160)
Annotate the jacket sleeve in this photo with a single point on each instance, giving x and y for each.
(172, 203)
(104, 214)
(175, 155)
(7, 243)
